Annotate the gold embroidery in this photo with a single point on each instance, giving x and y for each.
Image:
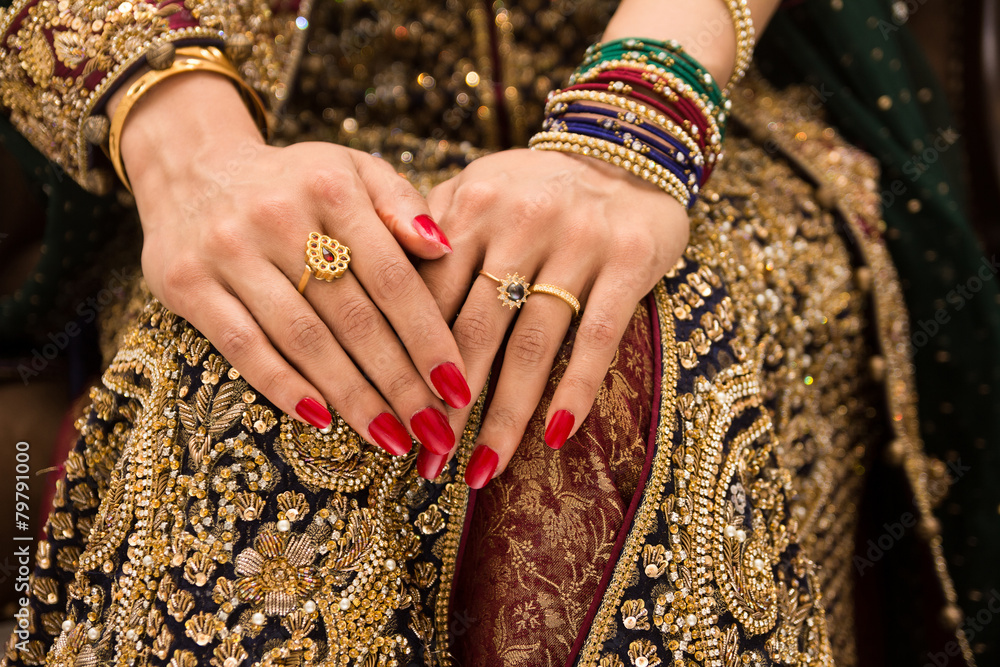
(59, 60)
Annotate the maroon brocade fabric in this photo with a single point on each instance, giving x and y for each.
(541, 533)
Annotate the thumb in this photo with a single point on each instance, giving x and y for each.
(403, 210)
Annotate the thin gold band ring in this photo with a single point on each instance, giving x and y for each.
(559, 293)
(514, 290)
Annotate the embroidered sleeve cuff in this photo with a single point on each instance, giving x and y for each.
(61, 59)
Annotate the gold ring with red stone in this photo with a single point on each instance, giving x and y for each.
(326, 259)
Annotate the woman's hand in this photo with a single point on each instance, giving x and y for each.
(575, 222)
(226, 219)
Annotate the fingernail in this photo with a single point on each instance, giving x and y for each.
(448, 380)
(429, 464)
(433, 430)
(313, 412)
(428, 229)
(482, 465)
(559, 428)
(389, 434)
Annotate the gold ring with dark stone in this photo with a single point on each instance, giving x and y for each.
(513, 289)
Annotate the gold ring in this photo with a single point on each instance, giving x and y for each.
(559, 293)
(326, 259)
(514, 289)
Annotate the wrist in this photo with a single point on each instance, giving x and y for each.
(193, 118)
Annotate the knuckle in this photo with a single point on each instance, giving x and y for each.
(334, 185)
(474, 332)
(402, 384)
(600, 331)
(304, 333)
(275, 382)
(581, 385)
(352, 396)
(406, 196)
(539, 205)
(358, 321)
(179, 277)
(472, 197)
(237, 341)
(506, 420)
(529, 344)
(394, 278)
(224, 238)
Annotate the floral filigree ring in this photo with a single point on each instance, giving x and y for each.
(326, 259)
(514, 289)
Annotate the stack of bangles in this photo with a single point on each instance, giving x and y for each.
(648, 107)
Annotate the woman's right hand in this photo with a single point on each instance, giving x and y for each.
(226, 218)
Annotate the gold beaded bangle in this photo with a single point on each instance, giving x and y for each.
(187, 59)
(745, 40)
(677, 86)
(626, 158)
(626, 105)
(713, 115)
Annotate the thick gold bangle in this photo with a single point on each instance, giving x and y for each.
(187, 59)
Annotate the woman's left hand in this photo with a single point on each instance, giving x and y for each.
(571, 221)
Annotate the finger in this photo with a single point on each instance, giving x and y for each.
(527, 363)
(609, 310)
(360, 328)
(439, 198)
(479, 330)
(234, 332)
(392, 282)
(403, 210)
(429, 464)
(449, 280)
(304, 339)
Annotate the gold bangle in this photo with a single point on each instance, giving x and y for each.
(713, 116)
(626, 158)
(187, 59)
(745, 40)
(627, 106)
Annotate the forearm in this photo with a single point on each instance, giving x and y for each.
(703, 27)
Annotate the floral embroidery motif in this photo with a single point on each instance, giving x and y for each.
(278, 571)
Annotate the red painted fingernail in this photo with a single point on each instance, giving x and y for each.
(428, 229)
(559, 428)
(389, 434)
(433, 430)
(429, 464)
(451, 385)
(313, 412)
(482, 465)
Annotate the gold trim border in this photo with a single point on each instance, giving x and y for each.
(645, 517)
